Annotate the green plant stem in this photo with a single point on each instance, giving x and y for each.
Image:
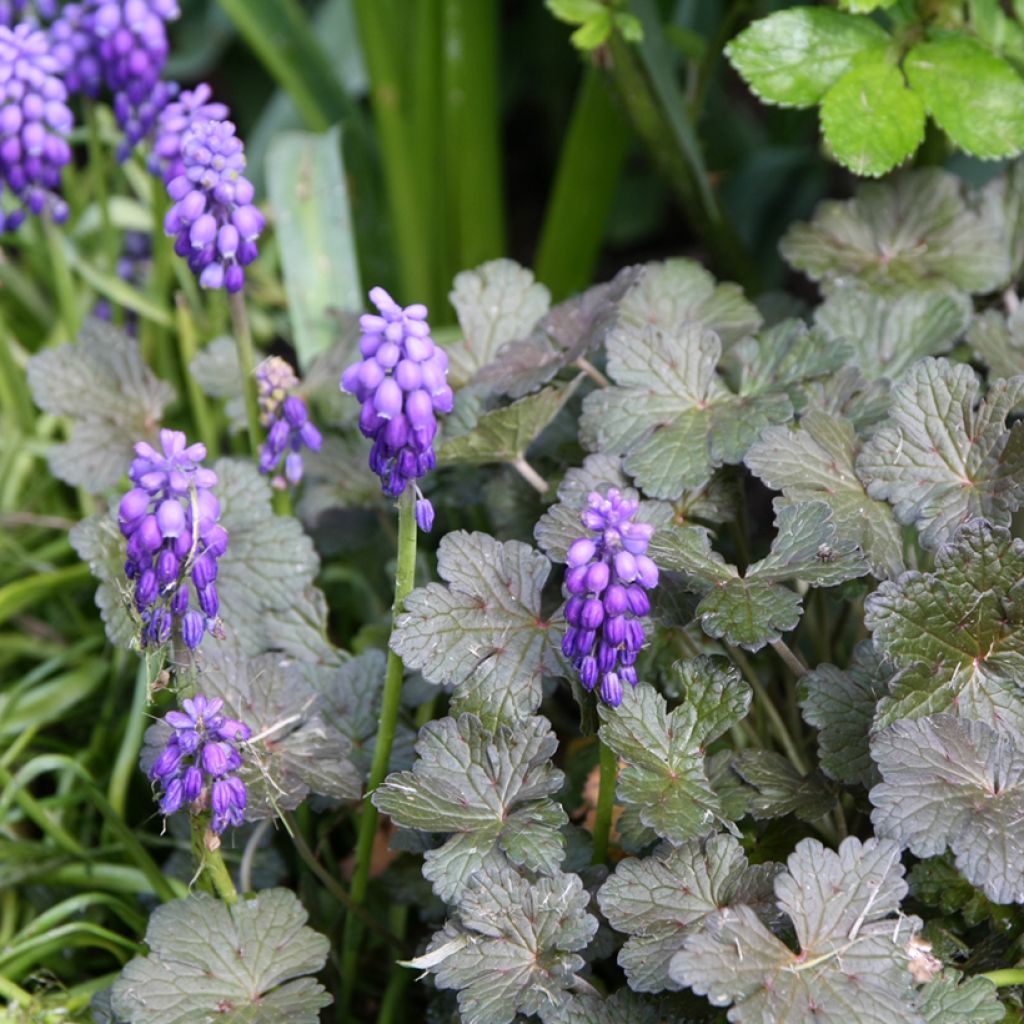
(210, 862)
(609, 762)
(793, 660)
(644, 80)
(391, 1001)
(126, 762)
(589, 167)
(14, 395)
(390, 701)
(402, 173)
(246, 367)
(187, 347)
(97, 168)
(1006, 977)
(64, 285)
(766, 704)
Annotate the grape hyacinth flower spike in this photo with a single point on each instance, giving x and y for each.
(197, 766)
(213, 221)
(177, 118)
(34, 124)
(289, 428)
(607, 580)
(402, 383)
(170, 517)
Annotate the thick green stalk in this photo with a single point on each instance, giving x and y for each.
(1006, 977)
(402, 172)
(210, 862)
(187, 347)
(644, 79)
(125, 765)
(473, 131)
(390, 702)
(98, 170)
(589, 168)
(609, 762)
(246, 367)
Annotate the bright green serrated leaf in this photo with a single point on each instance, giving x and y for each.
(890, 332)
(664, 752)
(945, 455)
(870, 120)
(244, 964)
(496, 303)
(912, 230)
(313, 224)
(483, 633)
(948, 999)
(794, 56)
(852, 955)
(975, 97)
(511, 948)
(956, 634)
(503, 435)
(492, 790)
(111, 395)
(814, 461)
(660, 899)
(841, 706)
(950, 781)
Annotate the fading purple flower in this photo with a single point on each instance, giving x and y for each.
(213, 221)
(197, 765)
(607, 580)
(170, 517)
(289, 428)
(34, 125)
(402, 383)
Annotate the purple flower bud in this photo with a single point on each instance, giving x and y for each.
(173, 797)
(191, 783)
(170, 517)
(616, 599)
(615, 629)
(149, 534)
(209, 601)
(214, 758)
(166, 765)
(424, 515)
(598, 575)
(580, 552)
(193, 625)
(588, 671)
(133, 505)
(639, 603)
(611, 689)
(593, 613)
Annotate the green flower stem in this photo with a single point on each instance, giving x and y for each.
(1006, 977)
(187, 348)
(210, 862)
(402, 173)
(609, 762)
(246, 367)
(793, 660)
(15, 400)
(404, 579)
(98, 170)
(643, 79)
(391, 1001)
(589, 168)
(64, 285)
(128, 753)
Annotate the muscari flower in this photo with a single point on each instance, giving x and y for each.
(402, 383)
(76, 49)
(34, 125)
(289, 427)
(170, 518)
(607, 580)
(175, 120)
(198, 762)
(213, 221)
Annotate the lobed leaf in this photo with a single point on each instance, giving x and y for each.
(511, 947)
(482, 633)
(491, 789)
(852, 954)
(945, 455)
(956, 633)
(244, 964)
(949, 1000)
(912, 230)
(664, 774)
(661, 899)
(778, 789)
(793, 57)
(950, 781)
(114, 399)
(999, 341)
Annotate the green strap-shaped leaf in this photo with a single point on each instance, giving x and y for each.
(975, 97)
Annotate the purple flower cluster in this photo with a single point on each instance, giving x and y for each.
(34, 125)
(175, 120)
(74, 45)
(170, 518)
(287, 419)
(196, 766)
(607, 581)
(213, 221)
(402, 382)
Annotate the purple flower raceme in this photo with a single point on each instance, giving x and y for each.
(175, 120)
(76, 48)
(213, 221)
(197, 765)
(607, 580)
(170, 518)
(402, 382)
(289, 427)
(34, 124)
